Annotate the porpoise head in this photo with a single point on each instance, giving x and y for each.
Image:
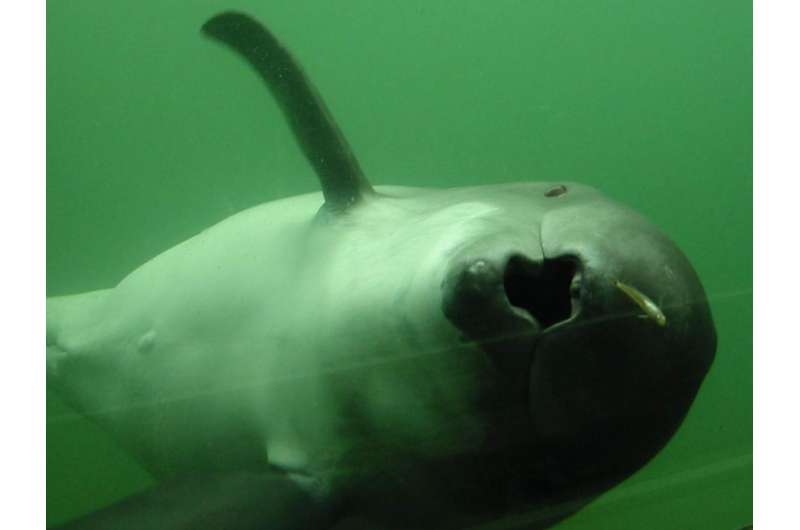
(598, 327)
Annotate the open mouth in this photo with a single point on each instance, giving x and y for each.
(506, 306)
(548, 290)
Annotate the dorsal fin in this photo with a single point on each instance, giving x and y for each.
(343, 183)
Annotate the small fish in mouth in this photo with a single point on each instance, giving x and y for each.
(651, 310)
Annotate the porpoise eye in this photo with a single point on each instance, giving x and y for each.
(556, 191)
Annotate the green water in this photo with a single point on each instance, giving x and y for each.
(153, 133)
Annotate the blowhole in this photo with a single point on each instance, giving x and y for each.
(544, 289)
(556, 191)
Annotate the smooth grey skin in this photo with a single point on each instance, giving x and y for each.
(411, 358)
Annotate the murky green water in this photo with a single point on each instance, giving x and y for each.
(153, 133)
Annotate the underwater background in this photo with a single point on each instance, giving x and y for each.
(155, 133)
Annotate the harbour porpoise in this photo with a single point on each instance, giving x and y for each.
(408, 357)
